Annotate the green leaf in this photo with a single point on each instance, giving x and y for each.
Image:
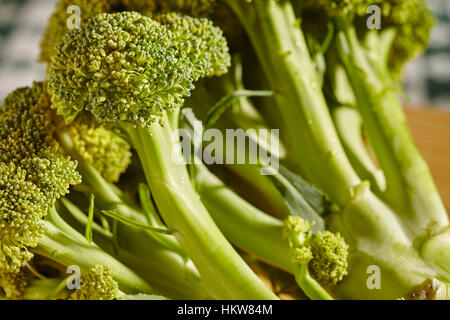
(133, 224)
(148, 206)
(301, 198)
(227, 101)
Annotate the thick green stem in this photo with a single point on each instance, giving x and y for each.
(247, 227)
(105, 193)
(45, 289)
(348, 122)
(66, 246)
(244, 116)
(308, 284)
(283, 53)
(409, 185)
(225, 274)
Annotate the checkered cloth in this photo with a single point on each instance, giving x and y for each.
(22, 23)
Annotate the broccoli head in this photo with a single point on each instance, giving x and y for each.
(413, 21)
(57, 26)
(102, 148)
(120, 67)
(195, 35)
(98, 284)
(12, 283)
(322, 255)
(33, 173)
(127, 67)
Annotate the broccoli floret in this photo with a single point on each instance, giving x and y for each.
(322, 255)
(98, 284)
(22, 206)
(126, 69)
(131, 71)
(57, 26)
(198, 34)
(12, 283)
(102, 148)
(412, 20)
(330, 253)
(33, 173)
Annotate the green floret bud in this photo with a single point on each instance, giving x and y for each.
(53, 173)
(329, 263)
(57, 26)
(26, 139)
(324, 252)
(296, 232)
(119, 66)
(302, 255)
(12, 283)
(98, 284)
(33, 173)
(413, 22)
(103, 148)
(203, 43)
(22, 207)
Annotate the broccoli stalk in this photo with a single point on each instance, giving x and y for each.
(409, 186)
(63, 244)
(127, 83)
(274, 241)
(165, 266)
(282, 51)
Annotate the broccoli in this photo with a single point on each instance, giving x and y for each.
(316, 259)
(92, 173)
(373, 61)
(34, 174)
(42, 130)
(138, 72)
(395, 219)
(324, 253)
(409, 185)
(98, 284)
(107, 152)
(57, 25)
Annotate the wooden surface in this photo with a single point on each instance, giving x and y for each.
(431, 131)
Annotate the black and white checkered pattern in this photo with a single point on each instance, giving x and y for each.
(22, 23)
(21, 26)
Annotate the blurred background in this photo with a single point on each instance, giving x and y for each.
(22, 23)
